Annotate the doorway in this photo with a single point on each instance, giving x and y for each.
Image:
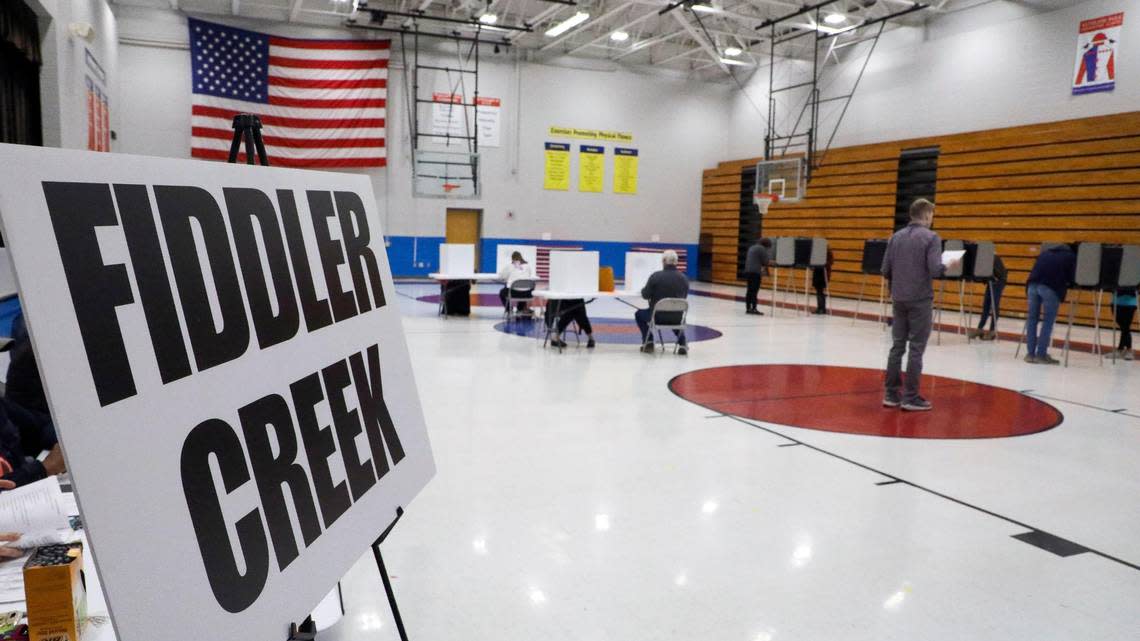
(465, 226)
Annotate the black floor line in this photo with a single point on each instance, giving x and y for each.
(1091, 407)
(934, 492)
(1050, 543)
(890, 482)
(717, 416)
(788, 444)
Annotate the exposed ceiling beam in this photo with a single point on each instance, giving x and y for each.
(295, 10)
(645, 44)
(682, 54)
(605, 35)
(573, 32)
(707, 46)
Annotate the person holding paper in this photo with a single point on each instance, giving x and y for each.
(912, 261)
(23, 435)
(1048, 283)
(7, 551)
(517, 269)
(667, 283)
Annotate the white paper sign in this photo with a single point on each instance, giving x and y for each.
(574, 271)
(228, 375)
(951, 256)
(448, 119)
(488, 114)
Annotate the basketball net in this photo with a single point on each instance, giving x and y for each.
(763, 201)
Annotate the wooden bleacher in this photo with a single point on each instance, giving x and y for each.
(1073, 180)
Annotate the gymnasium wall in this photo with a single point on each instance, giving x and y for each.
(996, 64)
(677, 127)
(1072, 180)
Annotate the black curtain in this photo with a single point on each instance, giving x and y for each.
(19, 74)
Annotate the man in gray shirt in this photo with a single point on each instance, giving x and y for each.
(667, 283)
(755, 264)
(913, 260)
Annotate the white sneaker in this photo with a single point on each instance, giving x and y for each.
(1128, 355)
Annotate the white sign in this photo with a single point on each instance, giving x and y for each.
(488, 115)
(456, 258)
(227, 373)
(1098, 43)
(448, 119)
(573, 271)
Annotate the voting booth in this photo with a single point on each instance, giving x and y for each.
(215, 340)
(639, 266)
(457, 258)
(874, 250)
(503, 255)
(574, 271)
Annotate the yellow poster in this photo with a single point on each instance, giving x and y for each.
(591, 168)
(557, 174)
(625, 171)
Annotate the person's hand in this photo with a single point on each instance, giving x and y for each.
(955, 264)
(54, 463)
(7, 552)
(7, 485)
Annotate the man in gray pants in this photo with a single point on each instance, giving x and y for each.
(913, 260)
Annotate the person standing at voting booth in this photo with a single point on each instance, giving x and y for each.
(517, 269)
(912, 261)
(820, 277)
(991, 303)
(669, 282)
(1125, 303)
(1045, 290)
(755, 265)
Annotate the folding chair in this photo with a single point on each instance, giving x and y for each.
(678, 308)
(520, 291)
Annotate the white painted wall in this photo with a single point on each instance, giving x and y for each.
(63, 92)
(679, 129)
(998, 64)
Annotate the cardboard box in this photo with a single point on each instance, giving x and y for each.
(53, 588)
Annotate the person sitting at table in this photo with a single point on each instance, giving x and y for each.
(667, 283)
(517, 269)
(23, 436)
(572, 310)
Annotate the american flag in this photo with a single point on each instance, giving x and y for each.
(321, 102)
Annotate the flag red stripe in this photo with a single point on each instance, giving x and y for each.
(300, 123)
(215, 154)
(303, 83)
(297, 143)
(326, 104)
(306, 63)
(329, 44)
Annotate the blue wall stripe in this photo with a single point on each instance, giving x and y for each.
(419, 255)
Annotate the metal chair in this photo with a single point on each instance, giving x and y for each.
(520, 291)
(667, 306)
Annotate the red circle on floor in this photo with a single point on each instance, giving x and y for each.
(849, 400)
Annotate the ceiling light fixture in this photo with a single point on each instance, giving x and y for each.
(705, 8)
(733, 52)
(567, 24)
(738, 63)
(619, 36)
(488, 18)
(835, 18)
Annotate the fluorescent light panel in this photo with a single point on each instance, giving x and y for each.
(567, 24)
(733, 52)
(835, 18)
(738, 63)
(619, 36)
(488, 18)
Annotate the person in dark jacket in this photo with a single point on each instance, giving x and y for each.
(992, 303)
(1048, 283)
(23, 435)
(23, 385)
(667, 283)
(755, 265)
(820, 278)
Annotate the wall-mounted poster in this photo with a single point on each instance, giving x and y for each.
(591, 168)
(98, 106)
(625, 171)
(488, 114)
(556, 174)
(448, 119)
(1098, 41)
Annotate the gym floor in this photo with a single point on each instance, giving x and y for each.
(581, 497)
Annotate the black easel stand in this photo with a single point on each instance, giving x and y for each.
(247, 129)
(384, 575)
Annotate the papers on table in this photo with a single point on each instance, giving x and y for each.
(34, 508)
(949, 257)
(12, 582)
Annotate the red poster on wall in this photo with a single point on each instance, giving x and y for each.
(1098, 40)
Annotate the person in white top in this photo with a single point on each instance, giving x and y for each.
(517, 269)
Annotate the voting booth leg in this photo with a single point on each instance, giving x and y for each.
(1112, 344)
(1069, 331)
(775, 288)
(882, 303)
(859, 300)
(388, 581)
(963, 317)
(1096, 325)
(938, 311)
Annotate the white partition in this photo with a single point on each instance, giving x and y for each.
(456, 259)
(639, 266)
(575, 271)
(503, 255)
(7, 278)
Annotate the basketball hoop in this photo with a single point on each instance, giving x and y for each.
(764, 200)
